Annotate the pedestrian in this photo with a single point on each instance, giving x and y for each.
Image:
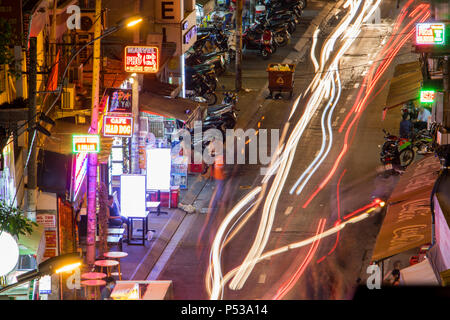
(114, 217)
(109, 287)
(393, 277)
(406, 127)
(422, 118)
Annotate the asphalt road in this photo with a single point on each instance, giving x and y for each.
(332, 270)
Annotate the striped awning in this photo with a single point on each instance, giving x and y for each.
(405, 84)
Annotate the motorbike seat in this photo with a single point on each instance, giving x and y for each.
(217, 107)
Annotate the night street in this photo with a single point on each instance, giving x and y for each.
(236, 150)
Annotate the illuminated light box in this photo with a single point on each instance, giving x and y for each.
(427, 96)
(158, 168)
(141, 59)
(86, 143)
(132, 195)
(430, 33)
(117, 126)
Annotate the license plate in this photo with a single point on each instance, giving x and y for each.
(388, 166)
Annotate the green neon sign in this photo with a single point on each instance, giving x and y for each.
(427, 96)
(88, 143)
(430, 33)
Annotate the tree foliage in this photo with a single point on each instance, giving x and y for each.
(13, 220)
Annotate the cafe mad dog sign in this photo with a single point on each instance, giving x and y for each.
(118, 126)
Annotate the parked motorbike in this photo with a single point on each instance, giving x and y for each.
(255, 37)
(197, 85)
(396, 152)
(215, 58)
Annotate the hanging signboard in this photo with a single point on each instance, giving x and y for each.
(119, 100)
(430, 33)
(141, 59)
(117, 126)
(89, 143)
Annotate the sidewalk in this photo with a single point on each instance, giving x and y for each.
(141, 259)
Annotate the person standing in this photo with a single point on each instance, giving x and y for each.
(406, 127)
(422, 118)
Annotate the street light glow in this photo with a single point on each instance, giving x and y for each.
(134, 22)
(68, 267)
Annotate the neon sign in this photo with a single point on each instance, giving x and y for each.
(430, 33)
(189, 35)
(86, 143)
(427, 96)
(118, 126)
(141, 59)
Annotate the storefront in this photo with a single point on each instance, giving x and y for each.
(143, 290)
(406, 234)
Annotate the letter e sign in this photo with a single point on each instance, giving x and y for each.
(167, 9)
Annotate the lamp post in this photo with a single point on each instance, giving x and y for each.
(58, 264)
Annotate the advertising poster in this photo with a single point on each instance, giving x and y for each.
(119, 100)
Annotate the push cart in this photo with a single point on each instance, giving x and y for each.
(281, 78)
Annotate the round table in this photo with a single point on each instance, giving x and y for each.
(116, 255)
(93, 276)
(95, 285)
(108, 264)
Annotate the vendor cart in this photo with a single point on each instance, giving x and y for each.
(281, 78)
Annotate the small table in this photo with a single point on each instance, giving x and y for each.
(93, 276)
(154, 205)
(116, 255)
(108, 264)
(144, 218)
(95, 285)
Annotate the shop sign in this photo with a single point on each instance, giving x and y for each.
(189, 35)
(118, 126)
(46, 220)
(169, 11)
(119, 100)
(86, 143)
(80, 172)
(427, 96)
(141, 59)
(430, 33)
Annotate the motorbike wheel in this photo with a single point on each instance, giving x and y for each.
(213, 83)
(280, 40)
(211, 98)
(303, 4)
(406, 156)
(265, 54)
(220, 70)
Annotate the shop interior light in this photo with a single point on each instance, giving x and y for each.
(9, 253)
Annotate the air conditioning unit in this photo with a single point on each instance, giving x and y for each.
(68, 97)
(143, 124)
(75, 74)
(81, 39)
(87, 20)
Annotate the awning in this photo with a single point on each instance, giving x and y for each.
(407, 225)
(419, 274)
(419, 177)
(405, 84)
(178, 108)
(32, 243)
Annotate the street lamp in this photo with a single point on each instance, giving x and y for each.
(55, 265)
(127, 22)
